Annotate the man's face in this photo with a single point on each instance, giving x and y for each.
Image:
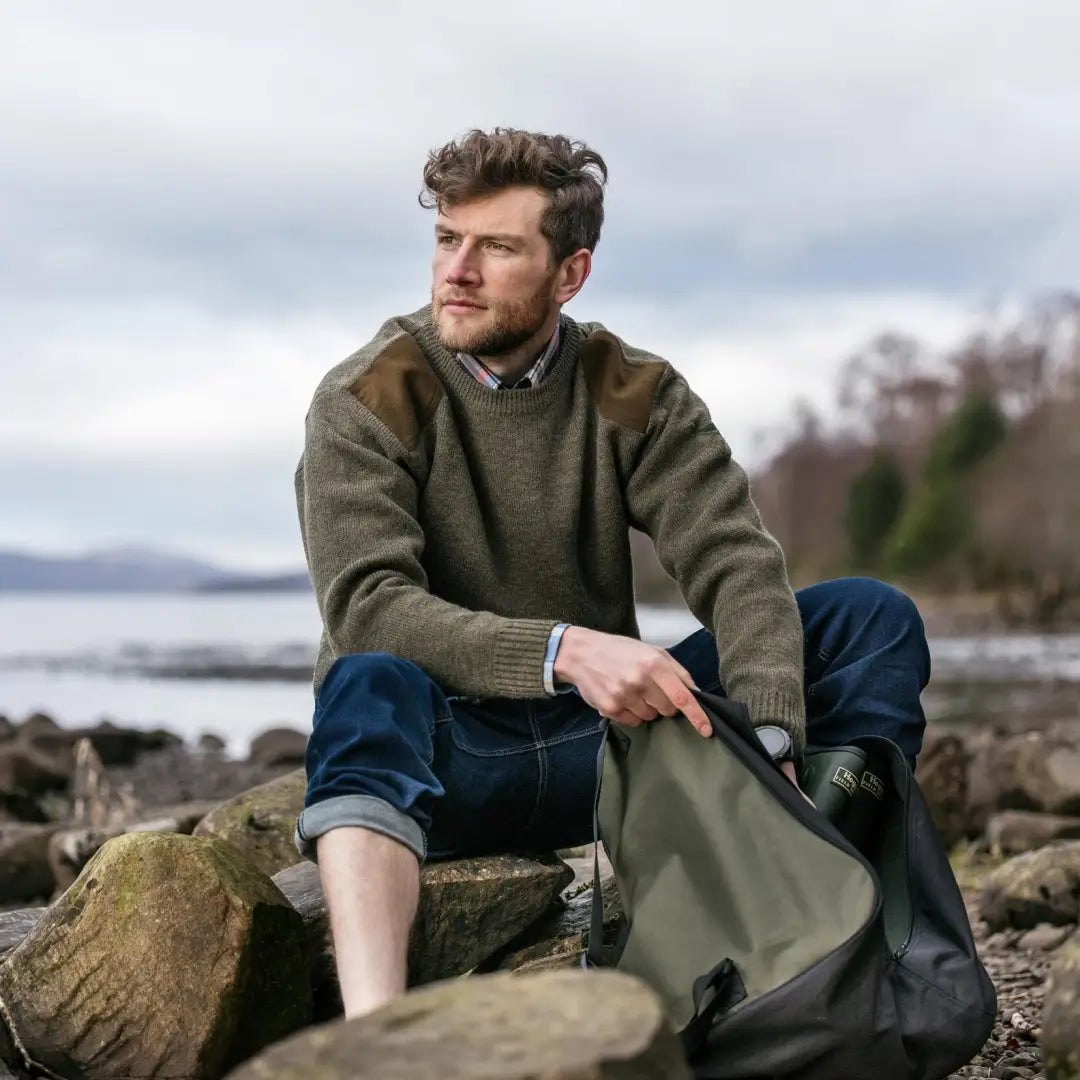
(493, 285)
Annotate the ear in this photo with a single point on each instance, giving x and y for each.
(572, 275)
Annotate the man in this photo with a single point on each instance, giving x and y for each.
(468, 482)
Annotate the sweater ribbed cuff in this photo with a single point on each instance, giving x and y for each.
(776, 707)
(520, 650)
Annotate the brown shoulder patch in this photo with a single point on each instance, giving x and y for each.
(623, 391)
(400, 389)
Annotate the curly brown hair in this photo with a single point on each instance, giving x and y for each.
(481, 163)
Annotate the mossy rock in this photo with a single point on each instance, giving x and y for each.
(1037, 887)
(1061, 1016)
(559, 1025)
(170, 956)
(261, 821)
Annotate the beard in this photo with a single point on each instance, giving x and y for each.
(503, 327)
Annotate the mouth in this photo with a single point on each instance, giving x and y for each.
(460, 307)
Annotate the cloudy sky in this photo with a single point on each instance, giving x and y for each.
(203, 206)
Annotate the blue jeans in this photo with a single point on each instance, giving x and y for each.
(452, 777)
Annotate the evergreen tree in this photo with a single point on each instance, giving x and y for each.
(875, 500)
(973, 430)
(938, 520)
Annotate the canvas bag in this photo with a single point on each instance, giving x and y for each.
(778, 948)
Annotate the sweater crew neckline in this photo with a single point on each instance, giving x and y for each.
(502, 400)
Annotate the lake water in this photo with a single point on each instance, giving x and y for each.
(157, 660)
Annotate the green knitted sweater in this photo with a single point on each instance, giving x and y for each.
(455, 525)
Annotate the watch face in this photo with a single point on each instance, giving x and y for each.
(775, 740)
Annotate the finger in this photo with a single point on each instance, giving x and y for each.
(658, 700)
(683, 699)
(640, 708)
(684, 676)
(626, 719)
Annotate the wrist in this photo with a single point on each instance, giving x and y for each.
(566, 654)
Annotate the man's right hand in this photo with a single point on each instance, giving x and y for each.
(626, 679)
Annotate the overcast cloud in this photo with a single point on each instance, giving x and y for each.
(204, 206)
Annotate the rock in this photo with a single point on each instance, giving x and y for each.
(26, 770)
(1013, 831)
(261, 821)
(942, 775)
(114, 745)
(468, 910)
(1037, 770)
(158, 739)
(18, 806)
(71, 849)
(209, 743)
(558, 939)
(7, 729)
(37, 724)
(561, 1025)
(11, 1063)
(180, 818)
(96, 802)
(1044, 937)
(1061, 1016)
(279, 746)
(1037, 887)
(15, 925)
(170, 956)
(25, 873)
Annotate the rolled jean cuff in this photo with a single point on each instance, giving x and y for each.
(364, 811)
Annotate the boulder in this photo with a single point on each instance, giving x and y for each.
(558, 939)
(37, 724)
(942, 775)
(1036, 770)
(209, 743)
(469, 909)
(170, 956)
(7, 729)
(261, 821)
(178, 818)
(1061, 1016)
(114, 745)
(15, 925)
(25, 873)
(1013, 831)
(1037, 887)
(560, 1025)
(70, 849)
(278, 746)
(28, 771)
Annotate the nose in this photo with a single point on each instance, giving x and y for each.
(463, 269)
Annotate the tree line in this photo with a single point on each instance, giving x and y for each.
(954, 470)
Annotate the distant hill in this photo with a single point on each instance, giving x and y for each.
(131, 569)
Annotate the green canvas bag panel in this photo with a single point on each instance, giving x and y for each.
(780, 948)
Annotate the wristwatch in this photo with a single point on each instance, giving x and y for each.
(777, 742)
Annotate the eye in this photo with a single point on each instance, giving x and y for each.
(445, 240)
(496, 246)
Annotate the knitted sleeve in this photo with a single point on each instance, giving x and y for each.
(688, 494)
(357, 500)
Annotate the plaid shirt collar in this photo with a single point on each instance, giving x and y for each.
(477, 369)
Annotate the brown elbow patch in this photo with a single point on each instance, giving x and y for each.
(400, 389)
(623, 391)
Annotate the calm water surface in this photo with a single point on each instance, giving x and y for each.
(81, 658)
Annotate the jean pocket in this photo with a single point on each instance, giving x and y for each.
(493, 731)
